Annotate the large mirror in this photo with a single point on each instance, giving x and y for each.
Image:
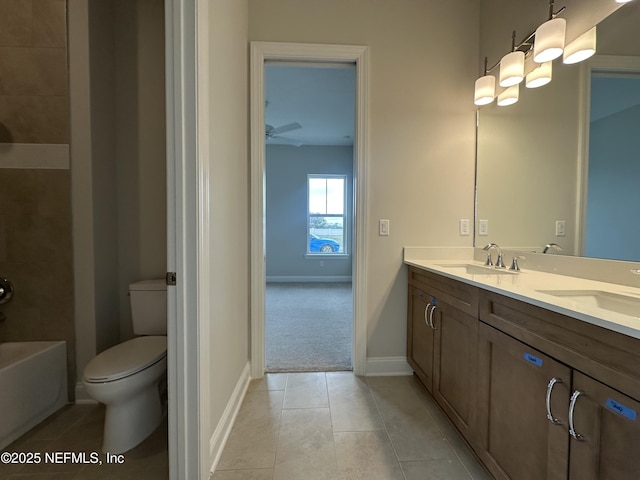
(563, 164)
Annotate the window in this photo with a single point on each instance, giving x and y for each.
(326, 214)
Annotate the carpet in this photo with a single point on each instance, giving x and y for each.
(308, 327)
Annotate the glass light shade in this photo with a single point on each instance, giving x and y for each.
(509, 96)
(539, 76)
(485, 90)
(623, 1)
(581, 48)
(549, 41)
(511, 69)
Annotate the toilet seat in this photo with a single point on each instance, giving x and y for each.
(126, 359)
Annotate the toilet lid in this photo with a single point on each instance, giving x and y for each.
(126, 359)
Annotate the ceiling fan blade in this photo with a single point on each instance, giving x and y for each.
(283, 141)
(285, 128)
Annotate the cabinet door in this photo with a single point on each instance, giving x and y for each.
(420, 336)
(608, 424)
(454, 365)
(515, 439)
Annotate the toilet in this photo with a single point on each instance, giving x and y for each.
(130, 378)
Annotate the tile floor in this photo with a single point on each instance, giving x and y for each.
(78, 428)
(337, 426)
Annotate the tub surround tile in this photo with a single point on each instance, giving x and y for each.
(15, 22)
(49, 23)
(34, 119)
(33, 71)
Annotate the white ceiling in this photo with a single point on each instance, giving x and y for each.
(320, 97)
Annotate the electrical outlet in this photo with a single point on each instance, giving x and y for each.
(483, 227)
(464, 226)
(560, 228)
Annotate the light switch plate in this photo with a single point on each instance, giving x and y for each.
(560, 228)
(483, 227)
(464, 226)
(383, 227)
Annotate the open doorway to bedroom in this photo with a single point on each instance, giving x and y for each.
(309, 213)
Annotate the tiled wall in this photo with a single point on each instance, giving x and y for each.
(35, 202)
(33, 72)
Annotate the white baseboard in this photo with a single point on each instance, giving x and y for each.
(312, 278)
(221, 433)
(387, 366)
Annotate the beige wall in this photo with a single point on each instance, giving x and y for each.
(118, 161)
(228, 208)
(422, 127)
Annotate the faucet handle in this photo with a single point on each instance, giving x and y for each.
(500, 262)
(514, 264)
(489, 261)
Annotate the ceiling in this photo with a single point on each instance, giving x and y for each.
(319, 97)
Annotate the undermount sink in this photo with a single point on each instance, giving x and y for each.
(476, 269)
(615, 302)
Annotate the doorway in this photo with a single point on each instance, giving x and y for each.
(261, 53)
(309, 129)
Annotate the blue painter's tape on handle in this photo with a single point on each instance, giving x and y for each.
(420, 295)
(434, 300)
(623, 410)
(533, 359)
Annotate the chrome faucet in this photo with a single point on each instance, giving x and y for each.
(489, 262)
(553, 246)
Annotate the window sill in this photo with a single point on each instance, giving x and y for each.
(330, 256)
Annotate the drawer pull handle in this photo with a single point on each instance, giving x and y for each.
(433, 327)
(426, 318)
(572, 407)
(550, 386)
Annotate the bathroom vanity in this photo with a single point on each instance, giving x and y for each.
(539, 372)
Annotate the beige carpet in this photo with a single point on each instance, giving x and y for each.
(309, 327)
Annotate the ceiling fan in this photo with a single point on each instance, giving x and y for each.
(275, 133)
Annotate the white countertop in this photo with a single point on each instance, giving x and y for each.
(526, 285)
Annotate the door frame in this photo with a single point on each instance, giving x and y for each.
(358, 55)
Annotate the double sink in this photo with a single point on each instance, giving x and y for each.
(613, 302)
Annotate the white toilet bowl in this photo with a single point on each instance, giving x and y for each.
(130, 379)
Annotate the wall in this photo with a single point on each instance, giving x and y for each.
(35, 213)
(286, 205)
(422, 128)
(226, 215)
(116, 73)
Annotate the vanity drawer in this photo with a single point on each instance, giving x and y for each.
(457, 294)
(608, 356)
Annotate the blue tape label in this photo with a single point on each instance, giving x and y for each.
(434, 301)
(623, 410)
(420, 295)
(533, 359)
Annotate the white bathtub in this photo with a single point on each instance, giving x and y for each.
(33, 385)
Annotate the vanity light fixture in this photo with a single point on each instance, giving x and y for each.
(581, 48)
(623, 1)
(539, 76)
(509, 96)
(549, 41)
(512, 65)
(485, 90)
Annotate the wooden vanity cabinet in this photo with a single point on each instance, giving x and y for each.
(595, 365)
(515, 440)
(442, 343)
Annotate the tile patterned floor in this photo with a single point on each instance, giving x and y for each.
(337, 426)
(78, 428)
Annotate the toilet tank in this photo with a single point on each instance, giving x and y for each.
(149, 307)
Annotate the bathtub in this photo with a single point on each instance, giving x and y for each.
(33, 385)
